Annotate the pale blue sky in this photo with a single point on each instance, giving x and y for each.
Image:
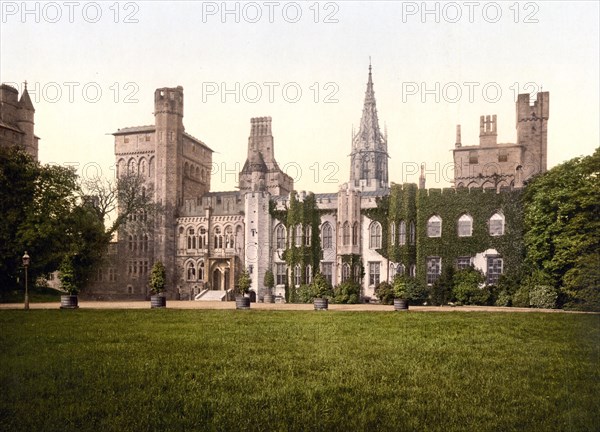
(170, 45)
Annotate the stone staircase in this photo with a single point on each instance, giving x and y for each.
(211, 295)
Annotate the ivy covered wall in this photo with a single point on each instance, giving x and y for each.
(450, 204)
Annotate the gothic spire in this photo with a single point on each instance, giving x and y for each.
(369, 146)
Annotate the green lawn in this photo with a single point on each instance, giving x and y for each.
(171, 370)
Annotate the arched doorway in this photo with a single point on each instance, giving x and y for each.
(216, 280)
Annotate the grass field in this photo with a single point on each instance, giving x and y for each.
(144, 370)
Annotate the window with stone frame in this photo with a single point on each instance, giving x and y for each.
(374, 273)
(191, 271)
(496, 224)
(393, 233)
(297, 275)
(298, 235)
(346, 234)
(307, 235)
(191, 239)
(494, 269)
(355, 234)
(434, 226)
(280, 274)
(327, 234)
(375, 237)
(465, 226)
(473, 157)
(402, 233)
(327, 270)
(345, 272)
(202, 238)
(308, 274)
(280, 236)
(463, 262)
(412, 232)
(434, 269)
(392, 272)
(503, 155)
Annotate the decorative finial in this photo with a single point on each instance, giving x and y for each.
(369, 64)
(25, 84)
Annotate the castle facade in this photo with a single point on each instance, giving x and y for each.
(369, 230)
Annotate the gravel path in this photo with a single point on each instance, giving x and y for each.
(177, 304)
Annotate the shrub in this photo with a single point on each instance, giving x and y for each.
(244, 282)
(521, 297)
(348, 292)
(320, 287)
(302, 294)
(504, 299)
(440, 292)
(158, 278)
(466, 287)
(543, 296)
(385, 293)
(409, 288)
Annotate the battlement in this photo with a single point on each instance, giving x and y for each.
(168, 100)
(528, 109)
(260, 126)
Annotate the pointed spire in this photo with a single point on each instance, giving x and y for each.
(25, 99)
(422, 177)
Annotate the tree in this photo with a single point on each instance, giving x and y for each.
(320, 287)
(244, 282)
(562, 226)
(36, 203)
(158, 278)
(440, 292)
(467, 287)
(269, 281)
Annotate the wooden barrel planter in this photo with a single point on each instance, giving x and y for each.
(158, 302)
(242, 303)
(269, 298)
(321, 303)
(400, 304)
(69, 302)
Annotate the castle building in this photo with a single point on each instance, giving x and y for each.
(494, 165)
(17, 120)
(367, 231)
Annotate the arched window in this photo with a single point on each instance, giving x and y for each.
(375, 237)
(145, 243)
(130, 243)
(201, 270)
(308, 278)
(191, 271)
(412, 233)
(327, 234)
(135, 242)
(151, 167)
(186, 169)
(280, 236)
(434, 226)
(202, 240)
(402, 233)
(142, 167)
(131, 166)
(400, 270)
(218, 238)
(299, 235)
(465, 226)
(413, 270)
(191, 239)
(393, 233)
(345, 272)
(229, 239)
(355, 234)
(346, 234)
(497, 224)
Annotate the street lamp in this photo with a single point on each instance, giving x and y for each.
(26, 265)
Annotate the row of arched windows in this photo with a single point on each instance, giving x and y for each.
(194, 271)
(302, 236)
(465, 225)
(226, 237)
(141, 166)
(194, 171)
(350, 233)
(399, 269)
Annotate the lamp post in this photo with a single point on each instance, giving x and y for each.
(26, 265)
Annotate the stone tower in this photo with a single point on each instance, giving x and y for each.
(532, 131)
(168, 114)
(369, 156)
(17, 120)
(261, 172)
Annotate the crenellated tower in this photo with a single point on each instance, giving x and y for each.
(369, 156)
(261, 171)
(532, 130)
